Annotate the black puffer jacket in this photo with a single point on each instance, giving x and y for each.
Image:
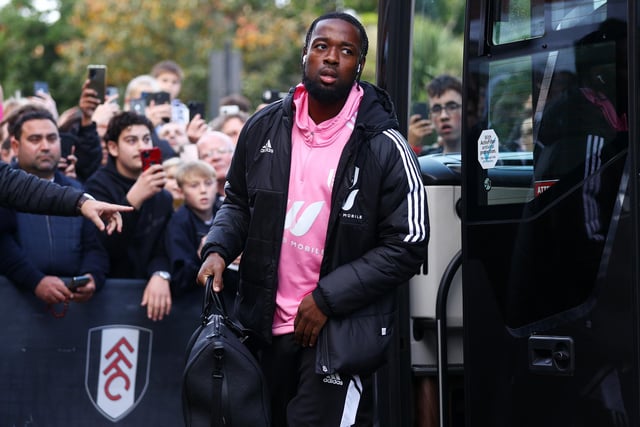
(25, 192)
(378, 226)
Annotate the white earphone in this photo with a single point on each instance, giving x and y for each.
(359, 67)
(304, 59)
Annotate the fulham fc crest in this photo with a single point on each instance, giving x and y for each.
(118, 362)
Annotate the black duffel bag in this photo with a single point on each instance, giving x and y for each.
(223, 384)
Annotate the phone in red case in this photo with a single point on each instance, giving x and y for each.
(150, 156)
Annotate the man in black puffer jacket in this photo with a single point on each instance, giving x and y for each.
(326, 203)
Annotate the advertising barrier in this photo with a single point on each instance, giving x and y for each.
(102, 364)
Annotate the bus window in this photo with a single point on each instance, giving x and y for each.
(580, 132)
(582, 116)
(508, 99)
(567, 94)
(533, 104)
(436, 51)
(517, 20)
(579, 157)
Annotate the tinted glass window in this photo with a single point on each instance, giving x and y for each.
(517, 20)
(558, 109)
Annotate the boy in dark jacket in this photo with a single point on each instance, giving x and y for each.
(190, 223)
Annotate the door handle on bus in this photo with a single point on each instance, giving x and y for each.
(551, 355)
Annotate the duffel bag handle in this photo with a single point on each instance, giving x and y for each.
(211, 299)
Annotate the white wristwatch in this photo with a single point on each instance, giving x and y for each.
(164, 274)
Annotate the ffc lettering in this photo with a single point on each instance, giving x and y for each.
(117, 374)
(115, 366)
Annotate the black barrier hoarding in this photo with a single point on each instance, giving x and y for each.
(102, 364)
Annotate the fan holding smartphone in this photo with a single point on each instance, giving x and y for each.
(157, 106)
(135, 174)
(439, 130)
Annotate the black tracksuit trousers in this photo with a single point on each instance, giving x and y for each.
(302, 398)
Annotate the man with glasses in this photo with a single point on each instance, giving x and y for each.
(216, 148)
(445, 118)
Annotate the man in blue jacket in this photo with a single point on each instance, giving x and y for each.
(41, 250)
(324, 199)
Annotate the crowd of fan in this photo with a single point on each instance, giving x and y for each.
(98, 146)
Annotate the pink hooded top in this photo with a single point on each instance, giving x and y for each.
(315, 152)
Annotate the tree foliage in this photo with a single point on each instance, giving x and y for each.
(28, 46)
(437, 42)
(131, 36)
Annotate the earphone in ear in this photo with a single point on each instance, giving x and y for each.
(304, 59)
(359, 68)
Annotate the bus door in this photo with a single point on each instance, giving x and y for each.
(548, 225)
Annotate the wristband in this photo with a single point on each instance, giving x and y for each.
(82, 199)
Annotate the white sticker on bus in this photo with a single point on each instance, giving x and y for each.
(488, 149)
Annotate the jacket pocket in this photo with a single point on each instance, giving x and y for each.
(355, 345)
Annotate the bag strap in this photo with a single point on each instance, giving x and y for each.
(220, 412)
(206, 304)
(219, 385)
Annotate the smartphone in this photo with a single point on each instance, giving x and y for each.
(420, 108)
(76, 282)
(66, 146)
(138, 105)
(229, 109)
(40, 86)
(146, 96)
(179, 112)
(195, 107)
(98, 80)
(150, 156)
(161, 97)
